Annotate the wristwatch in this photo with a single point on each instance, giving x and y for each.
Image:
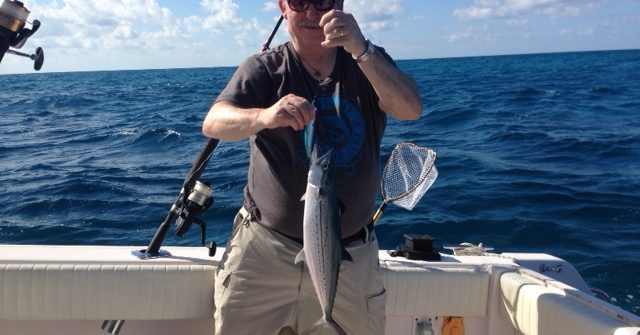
(367, 53)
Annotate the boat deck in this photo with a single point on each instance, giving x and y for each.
(73, 289)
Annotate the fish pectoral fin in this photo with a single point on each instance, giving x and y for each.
(346, 256)
(304, 197)
(300, 257)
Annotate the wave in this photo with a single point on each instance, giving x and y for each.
(606, 91)
(142, 138)
(451, 116)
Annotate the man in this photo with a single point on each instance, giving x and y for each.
(331, 74)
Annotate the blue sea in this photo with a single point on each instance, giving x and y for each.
(536, 153)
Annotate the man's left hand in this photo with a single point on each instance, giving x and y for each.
(342, 30)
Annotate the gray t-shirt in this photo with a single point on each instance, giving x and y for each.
(279, 164)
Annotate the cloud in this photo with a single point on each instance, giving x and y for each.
(124, 34)
(105, 25)
(251, 34)
(375, 15)
(517, 22)
(222, 14)
(126, 24)
(483, 9)
(270, 6)
(585, 32)
(473, 34)
(461, 36)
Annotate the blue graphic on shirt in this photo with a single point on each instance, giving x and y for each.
(339, 128)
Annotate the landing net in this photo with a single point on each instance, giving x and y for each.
(409, 173)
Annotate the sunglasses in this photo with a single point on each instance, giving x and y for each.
(302, 5)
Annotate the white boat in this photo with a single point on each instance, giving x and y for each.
(47, 289)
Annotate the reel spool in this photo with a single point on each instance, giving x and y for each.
(198, 201)
(13, 33)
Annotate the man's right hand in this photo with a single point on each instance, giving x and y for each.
(231, 123)
(290, 111)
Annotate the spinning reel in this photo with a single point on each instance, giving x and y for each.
(197, 202)
(13, 17)
(196, 196)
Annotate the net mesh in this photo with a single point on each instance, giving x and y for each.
(409, 173)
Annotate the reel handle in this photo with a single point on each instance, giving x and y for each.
(38, 57)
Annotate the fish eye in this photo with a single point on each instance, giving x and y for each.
(325, 165)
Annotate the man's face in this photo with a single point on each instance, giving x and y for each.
(304, 26)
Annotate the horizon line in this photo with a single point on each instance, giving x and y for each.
(399, 59)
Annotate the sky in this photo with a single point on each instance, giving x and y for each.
(91, 35)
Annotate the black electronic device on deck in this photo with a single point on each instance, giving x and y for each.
(417, 247)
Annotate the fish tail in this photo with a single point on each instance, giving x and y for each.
(323, 323)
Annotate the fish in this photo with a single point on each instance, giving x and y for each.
(309, 137)
(322, 251)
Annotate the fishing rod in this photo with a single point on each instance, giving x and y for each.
(13, 33)
(196, 196)
(266, 44)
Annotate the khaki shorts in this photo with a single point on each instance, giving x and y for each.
(259, 289)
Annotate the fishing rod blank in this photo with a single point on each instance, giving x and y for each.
(266, 44)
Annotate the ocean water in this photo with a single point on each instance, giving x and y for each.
(536, 153)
